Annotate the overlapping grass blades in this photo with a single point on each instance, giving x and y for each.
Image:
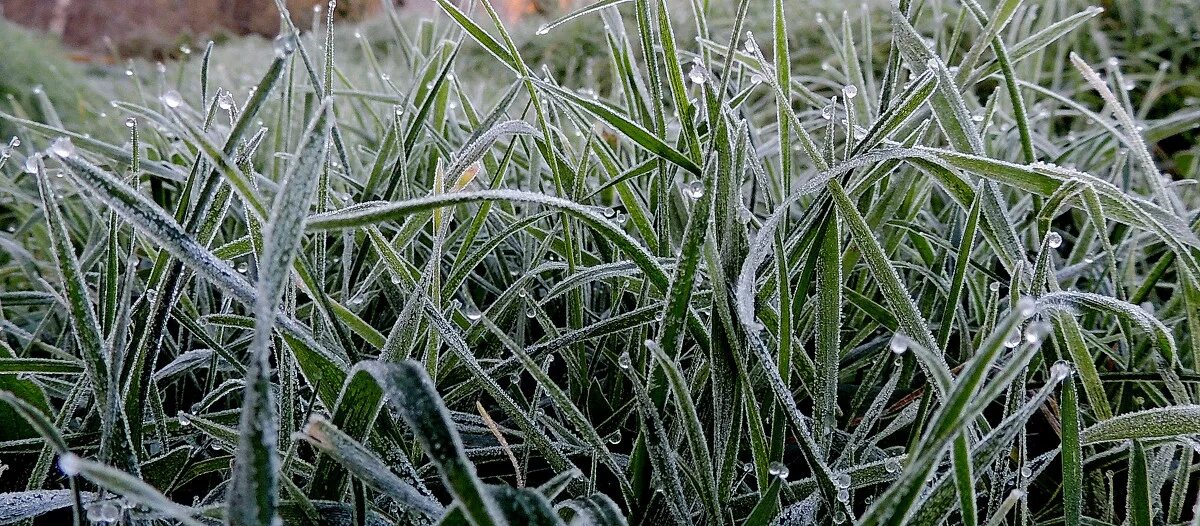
(449, 272)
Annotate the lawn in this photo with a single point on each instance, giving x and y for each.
(655, 262)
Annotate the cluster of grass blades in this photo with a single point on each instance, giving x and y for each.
(946, 277)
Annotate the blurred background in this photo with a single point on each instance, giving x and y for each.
(98, 29)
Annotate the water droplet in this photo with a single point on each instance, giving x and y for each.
(225, 100)
(172, 99)
(357, 300)
(777, 469)
(130, 122)
(129, 73)
(521, 293)
(1026, 307)
(531, 312)
(109, 512)
(69, 464)
(242, 267)
(31, 163)
(994, 286)
(839, 517)
(891, 465)
(1053, 240)
(615, 437)
(1026, 472)
(843, 495)
(751, 45)
(694, 190)
(1061, 370)
(843, 480)
(543, 29)
(899, 343)
(185, 49)
(850, 91)
(184, 419)
(62, 147)
(1013, 339)
(624, 361)
(827, 112)
(285, 44)
(697, 74)
(609, 212)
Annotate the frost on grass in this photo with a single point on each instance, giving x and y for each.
(654, 278)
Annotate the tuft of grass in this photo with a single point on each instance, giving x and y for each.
(698, 264)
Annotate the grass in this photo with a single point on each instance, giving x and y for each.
(729, 265)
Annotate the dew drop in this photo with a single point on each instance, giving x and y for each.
(850, 91)
(1026, 472)
(899, 343)
(109, 512)
(225, 100)
(615, 437)
(184, 419)
(827, 112)
(756, 79)
(1061, 370)
(994, 286)
(31, 163)
(472, 313)
(1013, 339)
(751, 45)
(843, 480)
(172, 99)
(891, 465)
(843, 495)
(695, 189)
(62, 147)
(1026, 307)
(544, 29)
(284, 44)
(697, 74)
(69, 464)
(130, 122)
(777, 469)
(1053, 240)
(624, 361)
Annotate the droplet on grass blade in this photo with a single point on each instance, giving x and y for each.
(172, 99)
(697, 74)
(899, 343)
(31, 163)
(284, 44)
(1053, 240)
(624, 361)
(850, 91)
(62, 147)
(1026, 307)
(69, 464)
(778, 469)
